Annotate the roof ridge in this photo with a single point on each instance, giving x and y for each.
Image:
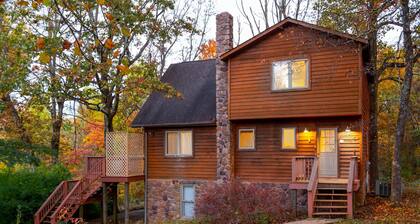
(194, 61)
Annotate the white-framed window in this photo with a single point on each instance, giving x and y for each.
(288, 138)
(188, 201)
(246, 138)
(179, 143)
(290, 74)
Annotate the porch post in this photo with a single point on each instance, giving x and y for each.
(115, 203)
(104, 207)
(126, 201)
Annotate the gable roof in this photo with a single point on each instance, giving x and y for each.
(196, 81)
(282, 23)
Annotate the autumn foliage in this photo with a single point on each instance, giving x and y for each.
(208, 50)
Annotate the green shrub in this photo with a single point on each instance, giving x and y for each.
(22, 191)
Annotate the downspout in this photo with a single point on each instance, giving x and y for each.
(145, 175)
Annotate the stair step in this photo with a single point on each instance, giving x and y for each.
(327, 194)
(327, 200)
(330, 206)
(330, 213)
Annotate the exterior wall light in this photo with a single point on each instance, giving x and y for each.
(348, 129)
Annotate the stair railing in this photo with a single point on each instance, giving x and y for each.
(312, 186)
(57, 195)
(94, 170)
(353, 175)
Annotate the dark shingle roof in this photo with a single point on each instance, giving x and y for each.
(196, 81)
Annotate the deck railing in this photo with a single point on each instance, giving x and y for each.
(302, 168)
(312, 186)
(353, 175)
(124, 154)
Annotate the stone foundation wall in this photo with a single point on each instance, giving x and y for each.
(164, 197)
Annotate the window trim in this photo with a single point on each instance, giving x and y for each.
(296, 138)
(179, 155)
(253, 139)
(308, 76)
(184, 201)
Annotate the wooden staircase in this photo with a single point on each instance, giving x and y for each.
(65, 200)
(334, 197)
(330, 201)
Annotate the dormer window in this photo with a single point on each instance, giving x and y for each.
(290, 74)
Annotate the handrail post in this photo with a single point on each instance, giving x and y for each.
(312, 185)
(294, 169)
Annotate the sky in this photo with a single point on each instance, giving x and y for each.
(391, 37)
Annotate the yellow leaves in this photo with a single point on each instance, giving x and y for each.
(44, 58)
(122, 68)
(87, 6)
(66, 44)
(101, 2)
(77, 50)
(125, 31)
(40, 43)
(109, 44)
(22, 3)
(35, 5)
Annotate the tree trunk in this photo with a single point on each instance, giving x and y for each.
(17, 120)
(373, 99)
(403, 112)
(57, 122)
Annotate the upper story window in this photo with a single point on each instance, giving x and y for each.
(179, 143)
(246, 139)
(290, 74)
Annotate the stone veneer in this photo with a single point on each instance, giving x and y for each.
(164, 197)
(224, 40)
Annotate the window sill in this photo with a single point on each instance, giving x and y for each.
(290, 90)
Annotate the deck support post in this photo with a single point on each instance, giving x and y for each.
(104, 207)
(81, 211)
(293, 196)
(114, 203)
(126, 201)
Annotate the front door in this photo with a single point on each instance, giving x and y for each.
(327, 149)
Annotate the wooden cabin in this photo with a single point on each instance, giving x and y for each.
(288, 107)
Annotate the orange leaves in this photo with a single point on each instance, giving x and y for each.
(208, 50)
(40, 43)
(122, 68)
(116, 53)
(66, 44)
(109, 16)
(109, 44)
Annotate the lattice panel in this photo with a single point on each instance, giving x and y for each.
(124, 154)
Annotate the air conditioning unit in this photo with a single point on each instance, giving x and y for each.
(382, 188)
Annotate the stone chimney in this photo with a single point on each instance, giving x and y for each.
(224, 42)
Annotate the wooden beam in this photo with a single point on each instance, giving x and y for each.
(104, 207)
(126, 201)
(114, 203)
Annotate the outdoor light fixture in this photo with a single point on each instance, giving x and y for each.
(306, 130)
(348, 129)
